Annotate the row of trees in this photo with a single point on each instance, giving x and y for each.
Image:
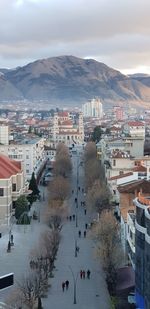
(106, 231)
(98, 195)
(34, 285)
(59, 188)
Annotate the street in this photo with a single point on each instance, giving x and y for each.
(83, 293)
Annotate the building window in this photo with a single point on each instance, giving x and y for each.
(14, 187)
(114, 162)
(1, 192)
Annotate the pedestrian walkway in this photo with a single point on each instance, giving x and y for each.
(25, 238)
(90, 293)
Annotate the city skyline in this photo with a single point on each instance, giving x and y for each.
(112, 32)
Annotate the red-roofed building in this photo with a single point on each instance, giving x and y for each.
(11, 186)
(134, 128)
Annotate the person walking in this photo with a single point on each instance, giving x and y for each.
(81, 274)
(73, 217)
(70, 218)
(88, 274)
(86, 226)
(85, 211)
(79, 233)
(63, 286)
(84, 234)
(67, 284)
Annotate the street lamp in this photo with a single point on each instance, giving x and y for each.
(74, 285)
(75, 248)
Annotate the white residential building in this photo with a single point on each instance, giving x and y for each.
(30, 151)
(4, 137)
(93, 108)
(135, 128)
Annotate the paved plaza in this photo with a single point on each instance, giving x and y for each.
(90, 293)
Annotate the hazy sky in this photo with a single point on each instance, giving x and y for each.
(116, 32)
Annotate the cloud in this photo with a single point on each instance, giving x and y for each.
(111, 30)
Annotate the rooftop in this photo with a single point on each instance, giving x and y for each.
(121, 176)
(8, 167)
(137, 185)
(117, 153)
(136, 124)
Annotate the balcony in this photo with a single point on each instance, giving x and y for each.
(16, 194)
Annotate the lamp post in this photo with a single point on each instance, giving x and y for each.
(74, 285)
(75, 248)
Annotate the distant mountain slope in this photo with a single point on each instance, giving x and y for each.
(143, 78)
(71, 79)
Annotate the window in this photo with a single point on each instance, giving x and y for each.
(114, 162)
(14, 187)
(1, 192)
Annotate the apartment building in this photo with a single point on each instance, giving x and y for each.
(12, 185)
(30, 151)
(4, 137)
(142, 250)
(134, 128)
(93, 108)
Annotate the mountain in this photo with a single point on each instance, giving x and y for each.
(143, 78)
(71, 80)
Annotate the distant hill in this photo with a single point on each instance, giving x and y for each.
(142, 78)
(72, 80)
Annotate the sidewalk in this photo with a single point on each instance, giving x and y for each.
(25, 238)
(91, 293)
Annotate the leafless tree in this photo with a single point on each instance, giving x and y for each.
(50, 242)
(30, 288)
(62, 165)
(15, 299)
(62, 149)
(92, 172)
(59, 188)
(107, 234)
(98, 197)
(56, 214)
(90, 151)
(43, 256)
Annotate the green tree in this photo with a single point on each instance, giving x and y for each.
(30, 130)
(33, 186)
(21, 206)
(96, 135)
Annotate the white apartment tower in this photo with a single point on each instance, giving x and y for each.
(93, 108)
(4, 138)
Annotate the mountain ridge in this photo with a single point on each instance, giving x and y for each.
(72, 80)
